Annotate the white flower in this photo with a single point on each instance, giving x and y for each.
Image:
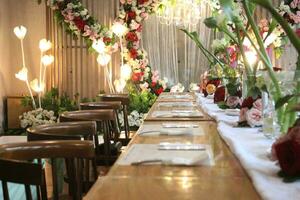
(177, 88)
(194, 87)
(47, 60)
(36, 86)
(20, 32)
(22, 74)
(44, 45)
(37, 117)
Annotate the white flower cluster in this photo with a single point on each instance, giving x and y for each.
(37, 117)
(194, 87)
(177, 88)
(134, 119)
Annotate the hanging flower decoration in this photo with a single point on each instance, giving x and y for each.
(77, 20)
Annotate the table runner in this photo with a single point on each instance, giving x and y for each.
(252, 148)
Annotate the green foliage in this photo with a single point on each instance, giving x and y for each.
(141, 101)
(222, 105)
(52, 101)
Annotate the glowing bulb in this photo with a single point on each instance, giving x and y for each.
(47, 60)
(20, 32)
(126, 72)
(119, 29)
(251, 57)
(36, 86)
(99, 46)
(44, 45)
(22, 74)
(120, 85)
(103, 59)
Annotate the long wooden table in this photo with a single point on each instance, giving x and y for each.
(225, 180)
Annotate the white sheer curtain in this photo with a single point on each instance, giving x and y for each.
(172, 53)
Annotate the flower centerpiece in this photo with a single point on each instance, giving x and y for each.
(37, 117)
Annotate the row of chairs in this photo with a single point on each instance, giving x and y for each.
(75, 139)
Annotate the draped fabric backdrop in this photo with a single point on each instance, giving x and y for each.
(173, 53)
(170, 52)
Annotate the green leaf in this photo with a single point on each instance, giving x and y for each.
(211, 22)
(280, 102)
(222, 105)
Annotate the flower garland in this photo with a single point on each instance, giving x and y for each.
(78, 22)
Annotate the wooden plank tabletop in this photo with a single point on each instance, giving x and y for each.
(225, 180)
(156, 107)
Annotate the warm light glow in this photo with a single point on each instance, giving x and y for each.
(38, 88)
(47, 60)
(22, 74)
(103, 59)
(99, 46)
(119, 29)
(20, 32)
(126, 72)
(120, 85)
(45, 45)
(251, 57)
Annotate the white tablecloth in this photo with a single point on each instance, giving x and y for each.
(252, 149)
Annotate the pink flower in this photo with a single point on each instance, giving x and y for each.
(243, 112)
(254, 117)
(295, 18)
(295, 3)
(233, 101)
(258, 104)
(144, 15)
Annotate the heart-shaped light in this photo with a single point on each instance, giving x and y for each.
(20, 32)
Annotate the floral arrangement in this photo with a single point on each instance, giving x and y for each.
(128, 26)
(290, 10)
(37, 117)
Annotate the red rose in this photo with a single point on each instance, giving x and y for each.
(79, 23)
(248, 102)
(159, 91)
(132, 37)
(131, 15)
(106, 39)
(153, 84)
(298, 32)
(133, 53)
(219, 94)
(136, 77)
(287, 150)
(215, 82)
(142, 1)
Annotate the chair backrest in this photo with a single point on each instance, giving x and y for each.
(17, 158)
(123, 98)
(115, 105)
(63, 131)
(105, 117)
(88, 115)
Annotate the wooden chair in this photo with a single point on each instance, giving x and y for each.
(108, 105)
(107, 152)
(69, 131)
(124, 99)
(16, 165)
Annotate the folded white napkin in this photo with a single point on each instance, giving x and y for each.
(177, 114)
(151, 154)
(177, 131)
